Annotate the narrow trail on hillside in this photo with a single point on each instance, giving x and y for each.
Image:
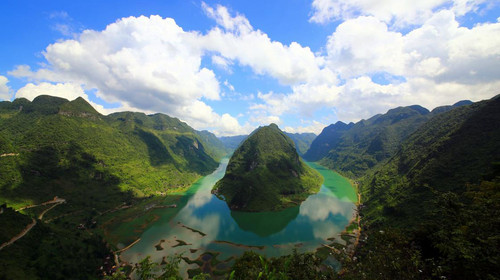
(20, 235)
(56, 201)
(9, 155)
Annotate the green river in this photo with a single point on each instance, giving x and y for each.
(202, 223)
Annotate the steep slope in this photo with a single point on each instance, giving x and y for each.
(149, 154)
(213, 146)
(436, 202)
(449, 151)
(98, 164)
(328, 139)
(355, 148)
(372, 141)
(266, 173)
(302, 141)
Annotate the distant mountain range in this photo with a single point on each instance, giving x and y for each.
(354, 148)
(302, 141)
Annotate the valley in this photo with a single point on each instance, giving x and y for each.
(90, 193)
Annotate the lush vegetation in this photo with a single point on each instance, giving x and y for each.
(352, 149)
(50, 251)
(431, 210)
(145, 154)
(302, 141)
(429, 181)
(55, 147)
(248, 266)
(266, 173)
(326, 140)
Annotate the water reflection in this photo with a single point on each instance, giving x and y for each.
(265, 223)
(205, 223)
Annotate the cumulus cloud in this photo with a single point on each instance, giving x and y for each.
(5, 93)
(153, 65)
(148, 63)
(437, 63)
(397, 12)
(234, 39)
(365, 45)
(310, 126)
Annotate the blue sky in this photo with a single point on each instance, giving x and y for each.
(230, 66)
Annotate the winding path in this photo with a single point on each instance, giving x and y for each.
(21, 234)
(56, 201)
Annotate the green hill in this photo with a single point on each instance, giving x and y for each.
(355, 148)
(54, 147)
(266, 173)
(448, 152)
(326, 140)
(436, 201)
(302, 141)
(150, 154)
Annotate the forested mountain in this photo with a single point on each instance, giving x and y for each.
(354, 148)
(148, 153)
(302, 141)
(436, 201)
(326, 140)
(429, 183)
(266, 173)
(52, 147)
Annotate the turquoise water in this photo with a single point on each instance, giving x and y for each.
(205, 223)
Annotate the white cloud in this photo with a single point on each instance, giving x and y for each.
(440, 63)
(313, 127)
(364, 45)
(221, 15)
(261, 118)
(5, 93)
(435, 64)
(68, 90)
(239, 41)
(228, 85)
(148, 63)
(152, 64)
(135, 58)
(222, 62)
(396, 12)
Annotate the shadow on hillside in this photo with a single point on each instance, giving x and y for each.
(189, 149)
(68, 172)
(193, 151)
(158, 153)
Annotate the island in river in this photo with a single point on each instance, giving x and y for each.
(266, 173)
